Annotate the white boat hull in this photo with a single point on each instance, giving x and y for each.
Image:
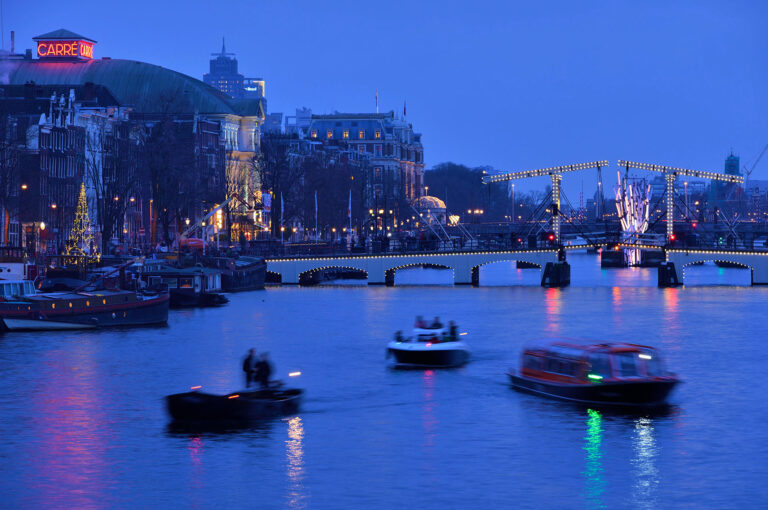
(40, 325)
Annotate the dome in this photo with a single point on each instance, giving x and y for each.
(428, 202)
(146, 87)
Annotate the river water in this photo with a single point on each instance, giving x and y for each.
(83, 423)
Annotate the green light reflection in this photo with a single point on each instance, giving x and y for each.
(594, 484)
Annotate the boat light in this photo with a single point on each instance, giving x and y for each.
(594, 377)
(294, 374)
(429, 344)
(195, 387)
(233, 396)
(644, 356)
(462, 334)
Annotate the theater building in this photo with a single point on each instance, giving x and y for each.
(215, 137)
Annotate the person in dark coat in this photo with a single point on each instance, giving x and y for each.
(249, 368)
(263, 370)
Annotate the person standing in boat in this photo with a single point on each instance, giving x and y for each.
(453, 331)
(420, 322)
(263, 370)
(436, 324)
(249, 368)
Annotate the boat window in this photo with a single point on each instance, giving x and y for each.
(185, 283)
(6, 292)
(561, 366)
(627, 364)
(29, 288)
(532, 362)
(599, 365)
(171, 282)
(16, 289)
(654, 366)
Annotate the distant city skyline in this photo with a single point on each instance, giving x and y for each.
(512, 86)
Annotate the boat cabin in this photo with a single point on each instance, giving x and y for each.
(582, 364)
(15, 289)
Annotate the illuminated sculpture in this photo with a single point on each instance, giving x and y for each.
(633, 206)
(81, 243)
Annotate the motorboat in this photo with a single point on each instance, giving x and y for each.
(615, 374)
(429, 347)
(243, 406)
(22, 308)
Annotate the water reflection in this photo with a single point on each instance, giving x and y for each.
(429, 421)
(646, 474)
(297, 493)
(594, 485)
(552, 304)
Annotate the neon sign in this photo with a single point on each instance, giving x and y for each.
(76, 49)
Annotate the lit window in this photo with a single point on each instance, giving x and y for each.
(378, 134)
(314, 133)
(361, 148)
(330, 134)
(346, 134)
(362, 134)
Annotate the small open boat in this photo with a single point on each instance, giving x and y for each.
(616, 374)
(429, 347)
(243, 406)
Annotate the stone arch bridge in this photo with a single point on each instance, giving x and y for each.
(380, 269)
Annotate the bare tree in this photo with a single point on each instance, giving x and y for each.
(9, 173)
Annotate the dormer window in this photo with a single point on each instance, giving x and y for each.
(314, 133)
(346, 134)
(362, 134)
(330, 134)
(378, 134)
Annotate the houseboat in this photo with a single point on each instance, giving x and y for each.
(240, 274)
(188, 286)
(429, 347)
(23, 308)
(616, 374)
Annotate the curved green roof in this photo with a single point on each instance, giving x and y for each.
(146, 87)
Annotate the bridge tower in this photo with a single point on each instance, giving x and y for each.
(555, 173)
(670, 175)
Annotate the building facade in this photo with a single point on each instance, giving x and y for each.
(395, 175)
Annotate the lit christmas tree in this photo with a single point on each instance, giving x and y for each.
(81, 241)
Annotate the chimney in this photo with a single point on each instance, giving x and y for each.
(13, 42)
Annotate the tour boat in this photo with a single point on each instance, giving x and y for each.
(429, 347)
(618, 374)
(243, 406)
(22, 308)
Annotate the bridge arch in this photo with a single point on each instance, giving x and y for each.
(715, 260)
(390, 271)
(308, 276)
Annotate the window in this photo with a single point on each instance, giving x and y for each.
(599, 365)
(314, 133)
(362, 134)
(377, 150)
(627, 365)
(532, 362)
(378, 134)
(377, 171)
(330, 134)
(361, 148)
(346, 134)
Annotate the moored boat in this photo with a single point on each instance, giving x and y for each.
(242, 406)
(188, 286)
(615, 374)
(429, 347)
(22, 308)
(240, 274)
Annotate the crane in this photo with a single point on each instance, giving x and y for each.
(670, 174)
(555, 174)
(748, 171)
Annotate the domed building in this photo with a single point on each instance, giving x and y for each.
(431, 209)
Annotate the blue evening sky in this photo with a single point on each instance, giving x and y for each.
(514, 85)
